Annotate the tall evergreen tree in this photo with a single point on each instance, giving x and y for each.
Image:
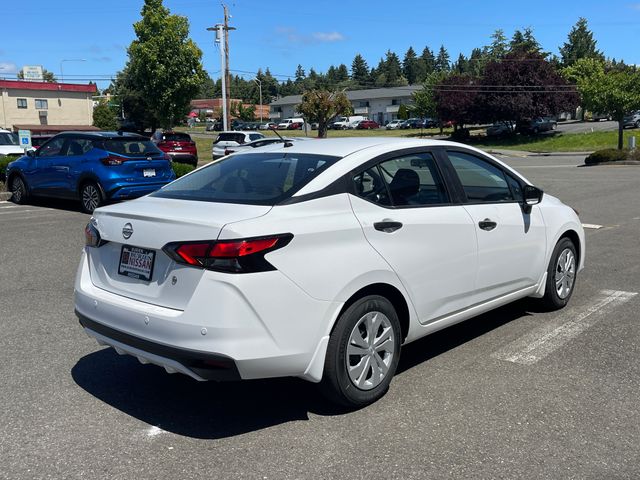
(461, 65)
(525, 42)
(428, 61)
(580, 44)
(359, 70)
(411, 66)
(342, 73)
(393, 69)
(442, 63)
(300, 74)
(499, 45)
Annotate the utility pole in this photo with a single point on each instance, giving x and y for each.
(222, 39)
(227, 99)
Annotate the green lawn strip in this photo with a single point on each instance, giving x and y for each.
(560, 142)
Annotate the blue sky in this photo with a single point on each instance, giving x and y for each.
(281, 35)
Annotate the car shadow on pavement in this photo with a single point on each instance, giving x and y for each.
(210, 410)
(55, 203)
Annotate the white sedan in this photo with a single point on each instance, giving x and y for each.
(320, 260)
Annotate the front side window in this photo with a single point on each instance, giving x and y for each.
(51, 148)
(482, 182)
(42, 104)
(22, 103)
(78, 146)
(253, 179)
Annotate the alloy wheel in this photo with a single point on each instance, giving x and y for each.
(17, 190)
(565, 273)
(90, 197)
(370, 350)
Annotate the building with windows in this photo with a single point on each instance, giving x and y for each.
(378, 104)
(44, 107)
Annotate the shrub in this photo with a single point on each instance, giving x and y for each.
(4, 161)
(181, 169)
(607, 155)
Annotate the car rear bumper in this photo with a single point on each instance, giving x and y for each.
(230, 320)
(127, 191)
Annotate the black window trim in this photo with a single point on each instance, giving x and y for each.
(458, 184)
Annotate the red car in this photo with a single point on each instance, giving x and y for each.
(179, 147)
(367, 125)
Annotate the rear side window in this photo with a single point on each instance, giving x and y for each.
(176, 137)
(255, 136)
(133, 147)
(482, 182)
(254, 179)
(8, 138)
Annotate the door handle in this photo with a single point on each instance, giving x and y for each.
(387, 226)
(487, 224)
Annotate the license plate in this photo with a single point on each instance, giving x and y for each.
(136, 262)
(178, 148)
(149, 172)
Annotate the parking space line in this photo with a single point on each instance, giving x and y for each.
(542, 341)
(592, 226)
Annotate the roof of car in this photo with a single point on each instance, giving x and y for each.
(103, 134)
(341, 147)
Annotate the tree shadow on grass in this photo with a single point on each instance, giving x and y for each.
(210, 410)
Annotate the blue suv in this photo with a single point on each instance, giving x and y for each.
(92, 167)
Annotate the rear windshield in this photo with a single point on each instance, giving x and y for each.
(133, 147)
(230, 137)
(176, 137)
(254, 179)
(8, 138)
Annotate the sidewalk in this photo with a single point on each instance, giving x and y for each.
(522, 153)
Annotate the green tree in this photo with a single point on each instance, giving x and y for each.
(499, 46)
(47, 76)
(403, 112)
(580, 44)
(525, 42)
(393, 70)
(424, 102)
(411, 67)
(164, 65)
(615, 92)
(209, 88)
(359, 70)
(321, 106)
(442, 63)
(428, 61)
(461, 65)
(300, 75)
(104, 117)
(246, 114)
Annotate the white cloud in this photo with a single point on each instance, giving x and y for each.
(328, 36)
(8, 67)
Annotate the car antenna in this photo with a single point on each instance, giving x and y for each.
(286, 144)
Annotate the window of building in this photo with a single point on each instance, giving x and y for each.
(22, 103)
(41, 104)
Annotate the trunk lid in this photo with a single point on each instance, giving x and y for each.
(154, 223)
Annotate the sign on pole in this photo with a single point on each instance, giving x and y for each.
(33, 73)
(25, 139)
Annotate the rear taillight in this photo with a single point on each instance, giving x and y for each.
(233, 256)
(112, 160)
(92, 235)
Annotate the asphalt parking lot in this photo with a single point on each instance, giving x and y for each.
(516, 393)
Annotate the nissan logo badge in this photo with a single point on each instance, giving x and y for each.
(127, 230)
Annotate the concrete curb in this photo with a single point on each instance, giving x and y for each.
(4, 196)
(521, 153)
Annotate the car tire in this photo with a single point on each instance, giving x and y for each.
(561, 275)
(19, 190)
(360, 363)
(638, 124)
(90, 197)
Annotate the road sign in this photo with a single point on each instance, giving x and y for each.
(25, 138)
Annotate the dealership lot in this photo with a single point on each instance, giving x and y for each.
(516, 393)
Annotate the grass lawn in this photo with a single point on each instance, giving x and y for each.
(567, 142)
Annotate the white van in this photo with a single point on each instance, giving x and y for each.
(343, 123)
(291, 124)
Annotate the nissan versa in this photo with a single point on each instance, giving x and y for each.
(320, 260)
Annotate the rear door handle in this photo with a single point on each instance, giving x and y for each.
(387, 226)
(487, 224)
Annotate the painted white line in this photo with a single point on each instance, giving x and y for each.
(542, 341)
(593, 226)
(154, 431)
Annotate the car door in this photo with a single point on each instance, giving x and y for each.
(511, 242)
(406, 213)
(69, 167)
(42, 178)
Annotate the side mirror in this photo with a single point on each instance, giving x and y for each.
(31, 152)
(531, 196)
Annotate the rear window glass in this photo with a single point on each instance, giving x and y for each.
(255, 179)
(176, 137)
(230, 137)
(134, 147)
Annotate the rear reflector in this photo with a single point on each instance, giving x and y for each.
(235, 256)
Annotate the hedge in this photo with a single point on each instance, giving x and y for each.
(181, 169)
(612, 155)
(4, 161)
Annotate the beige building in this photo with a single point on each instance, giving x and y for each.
(45, 107)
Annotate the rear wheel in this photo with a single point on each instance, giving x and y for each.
(18, 189)
(363, 353)
(90, 197)
(561, 275)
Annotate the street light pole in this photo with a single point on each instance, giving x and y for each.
(69, 60)
(222, 38)
(260, 88)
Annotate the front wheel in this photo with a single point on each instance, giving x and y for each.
(638, 124)
(90, 197)
(18, 189)
(363, 353)
(561, 275)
